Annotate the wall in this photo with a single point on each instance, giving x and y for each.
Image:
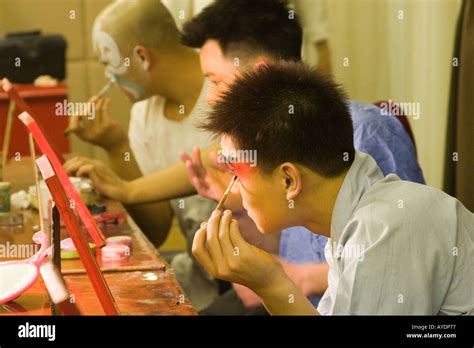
(406, 59)
(73, 19)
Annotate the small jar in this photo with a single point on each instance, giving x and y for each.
(86, 193)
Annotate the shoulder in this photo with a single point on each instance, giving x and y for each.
(370, 118)
(401, 209)
(385, 139)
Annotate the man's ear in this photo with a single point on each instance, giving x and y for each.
(144, 56)
(291, 180)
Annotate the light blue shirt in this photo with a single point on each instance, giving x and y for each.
(397, 248)
(384, 138)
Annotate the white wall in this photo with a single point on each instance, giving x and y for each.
(405, 60)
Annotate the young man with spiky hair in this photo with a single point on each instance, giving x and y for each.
(230, 32)
(395, 247)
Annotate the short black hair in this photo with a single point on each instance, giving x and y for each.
(255, 26)
(287, 112)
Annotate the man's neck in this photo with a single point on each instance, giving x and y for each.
(183, 86)
(320, 200)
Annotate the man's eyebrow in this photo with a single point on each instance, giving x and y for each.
(209, 75)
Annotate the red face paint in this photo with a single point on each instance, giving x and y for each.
(241, 169)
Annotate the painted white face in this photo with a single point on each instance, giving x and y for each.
(108, 50)
(115, 68)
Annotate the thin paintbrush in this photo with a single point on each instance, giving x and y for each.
(101, 93)
(226, 193)
(106, 88)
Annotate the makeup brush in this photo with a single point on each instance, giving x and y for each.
(101, 93)
(106, 88)
(226, 193)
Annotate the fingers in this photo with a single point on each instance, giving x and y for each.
(86, 170)
(195, 163)
(104, 116)
(90, 171)
(192, 173)
(235, 237)
(76, 123)
(224, 234)
(184, 157)
(196, 176)
(74, 126)
(73, 165)
(200, 252)
(99, 102)
(213, 244)
(199, 167)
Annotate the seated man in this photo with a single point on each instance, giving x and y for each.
(139, 44)
(395, 247)
(383, 137)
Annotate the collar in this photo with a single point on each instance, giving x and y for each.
(362, 174)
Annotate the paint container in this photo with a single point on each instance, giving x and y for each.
(120, 240)
(84, 188)
(115, 252)
(5, 188)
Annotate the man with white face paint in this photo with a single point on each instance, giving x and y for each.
(138, 43)
(109, 54)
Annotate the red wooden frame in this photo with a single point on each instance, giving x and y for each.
(84, 213)
(74, 228)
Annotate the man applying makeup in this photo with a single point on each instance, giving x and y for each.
(395, 247)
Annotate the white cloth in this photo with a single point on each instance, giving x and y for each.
(397, 247)
(156, 142)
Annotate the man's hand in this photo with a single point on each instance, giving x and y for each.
(99, 129)
(211, 182)
(103, 178)
(223, 252)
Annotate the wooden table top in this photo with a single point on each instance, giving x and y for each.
(144, 284)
